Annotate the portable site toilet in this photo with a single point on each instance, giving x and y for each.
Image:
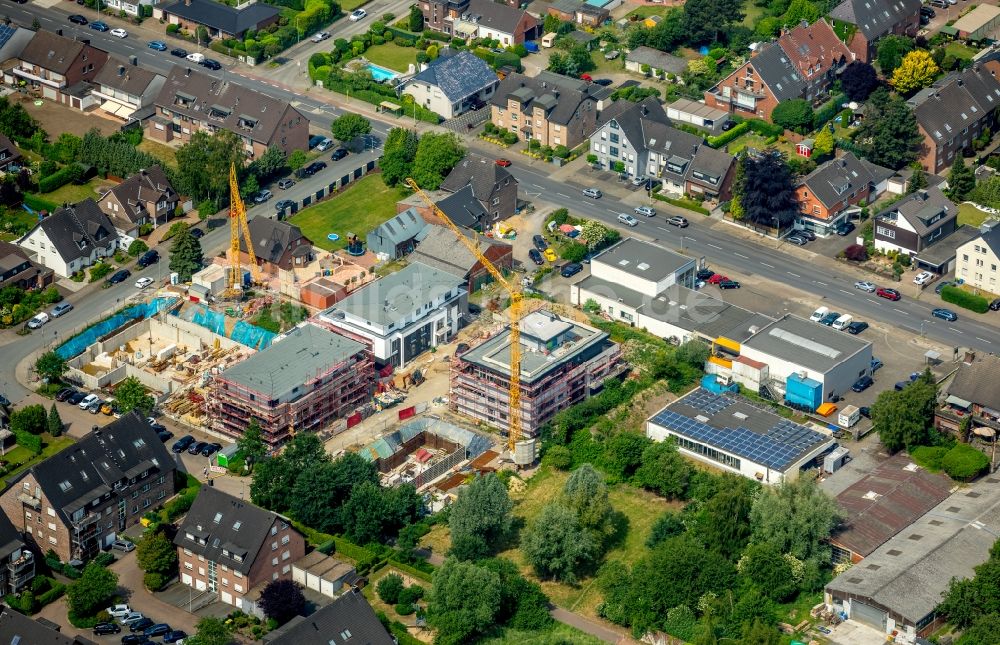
(224, 456)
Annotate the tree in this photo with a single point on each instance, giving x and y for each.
(348, 127)
(51, 366)
(576, 61)
(480, 518)
(90, 593)
(55, 423)
(372, 513)
(891, 50)
(201, 33)
(595, 234)
(961, 180)
(523, 605)
(15, 122)
(666, 526)
(31, 419)
(916, 71)
(297, 159)
(918, 180)
(984, 630)
(130, 395)
(795, 518)
(723, 522)
(586, 494)
(203, 164)
(251, 444)
(185, 255)
(888, 136)
(823, 144)
(282, 600)
(622, 454)
(704, 20)
(664, 471)
(796, 115)
(963, 462)
(767, 195)
(389, 588)
(211, 631)
(156, 554)
(437, 154)
(274, 479)
(767, 569)
(464, 601)
(858, 81)
(323, 487)
(904, 417)
(416, 22)
(557, 546)
(268, 164)
(398, 154)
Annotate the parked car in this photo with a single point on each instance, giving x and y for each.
(211, 449)
(108, 407)
(175, 636)
(119, 276)
(613, 54)
(593, 193)
(358, 14)
(324, 145)
(338, 154)
(808, 235)
(76, 397)
(95, 407)
(320, 36)
(863, 384)
(678, 221)
(196, 57)
(158, 45)
(164, 435)
(571, 269)
(844, 228)
(130, 618)
(603, 82)
(877, 364)
(211, 63)
(888, 294)
(103, 629)
(945, 314)
(856, 327)
(77, 19)
(38, 320)
(927, 11)
(118, 611)
(119, 33)
(628, 220)
(939, 287)
(99, 26)
(195, 448)
(263, 196)
(536, 257)
(503, 163)
(539, 242)
(716, 278)
(148, 258)
(283, 204)
(123, 545)
(796, 240)
(197, 233)
(88, 400)
(865, 411)
(829, 318)
(704, 274)
(550, 255)
(141, 625)
(314, 168)
(286, 183)
(923, 278)
(61, 308)
(183, 443)
(645, 211)
(729, 284)
(64, 394)
(865, 285)
(179, 52)
(135, 639)
(995, 305)
(157, 630)
(143, 282)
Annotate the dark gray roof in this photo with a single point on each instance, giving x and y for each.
(458, 76)
(348, 620)
(992, 239)
(464, 209)
(271, 238)
(710, 163)
(875, 18)
(90, 468)
(921, 207)
(777, 71)
(802, 342)
(220, 16)
(18, 629)
(484, 175)
(565, 96)
(835, 180)
(440, 249)
(6, 145)
(76, 230)
(408, 225)
(120, 75)
(636, 121)
(955, 102)
(496, 16)
(656, 59)
(976, 382)
(395, 297)
(945, 249)
(221, 522)
(643, 259)
(10, 538)
(51, 51)
(146, 186)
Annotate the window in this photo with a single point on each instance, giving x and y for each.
(274, 562)
(238, 588)
(188, 552)
(285, 539)
(201, 571)
(274, 530)
(274, 546)
(52, 526)
(188, 566)
(286, 555)
(52, 539)
(614, 138)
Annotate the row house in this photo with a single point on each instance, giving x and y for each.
(550, 108)
(125, 88)
(865, 22)
(60, 68)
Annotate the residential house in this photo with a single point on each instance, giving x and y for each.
(915, 222)
(277, 245)
(72, 238)
(398, 236)
(441, 15)
(977, 261)
(9, 153)
(492, 185)
(403, 314)
(13, 40)
(348, 619)
(131, 7)
(80, 500)
(801, 64)
(440, 249)
(17, 628)
(17, 269)
(827, 195)
(580, 12)
(230, 547)
(658, 63)
(554, 109)
(60, 68)
(190, 101)
(125, 88)
(972, 397)
(463, 209)
(954, 111)
(18, 562)
(221, 20)
(147, 197)
(453, 84)
(864, 22)
(507, 23)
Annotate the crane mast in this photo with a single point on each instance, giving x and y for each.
(238, 224)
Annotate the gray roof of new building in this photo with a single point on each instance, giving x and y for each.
(561, 96)
(225, 524)
(737, 426)
(221, 16)
(909, 574)
(775, 69)
(76, 230)
(405, 226)
(656, 59)
(464, 209)
(496, 16)
(458, 76)
(837, 179)
(348, 620)
(440, 249)
(272, 238)
(919, 208)
(479, 172)
(643, 259)
(875, 18)
(291, 363)
(977, 382)
(391, 299)
(803, 342)
(991, 238)
(18, 629)
(124, 77)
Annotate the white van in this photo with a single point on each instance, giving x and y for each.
(819, 313)
(841, 323)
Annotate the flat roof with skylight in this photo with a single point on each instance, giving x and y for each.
(806, 343)
(643, 259)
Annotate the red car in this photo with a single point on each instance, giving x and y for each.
(717, 278)
(503, 163)
(888, 294)
(586, 77)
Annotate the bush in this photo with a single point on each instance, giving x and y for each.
(964, 299)
(180, 505)
(737, 130)
(105, 558)
(173, 29)
(856, 253)
(558, 457)
(389, 588)
(53, 594)
(411, 594)
(574, 252)
(509, 138)
(405, 608)
(929, 457)
(154, 581)
(60, 178)
(137, 247)
(963, 462)
(100, 270)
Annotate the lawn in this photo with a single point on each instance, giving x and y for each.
(969, 214)
(645, 12)
(15, 219)
(560, 633)
(754, 140)
(616, 66)
(50, 446)
(161, 151)
(392, 56)
(362, 206)
(72, 193)
(960, 50)
(347, 6)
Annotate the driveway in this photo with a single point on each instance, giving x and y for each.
(130, 581)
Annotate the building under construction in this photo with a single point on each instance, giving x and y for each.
(302, 382)
(562, 363)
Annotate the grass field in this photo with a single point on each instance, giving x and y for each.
(559, 634)
(362, 206)
(392, 56)
(645, 12)
(73, 193)
(347, 6)
(960, 50)
(163, 152)
(969, 214)
(754, 140)
(50, 446)
(16, 219)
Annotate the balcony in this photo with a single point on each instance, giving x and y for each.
(20, 571)
(956, 416)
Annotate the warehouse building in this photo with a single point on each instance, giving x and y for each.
(729, 432)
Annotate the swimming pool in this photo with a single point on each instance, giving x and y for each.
(381, 74)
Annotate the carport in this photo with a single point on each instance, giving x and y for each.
(324, 574)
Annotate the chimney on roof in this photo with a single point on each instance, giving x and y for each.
(121, 70)
(96, 429)
(969, 357)
(959, 82)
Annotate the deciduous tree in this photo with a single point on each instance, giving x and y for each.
(274, 479)
(90, 593)
(131, 394)
(203, 164)
(623, 454)
(347, 127)
(282, 600)
(480, 517)
(904, 417)
(51, 366)
(767, 569)
(664, 471)
(464, 601)
(557, 546)
(155, 553)
(823, 143)
(586, 494)
(888, 136)
(705, 20)
(437, 154)
(596, 234)
(795, 518)
(389, 588)
(372, 513)
(891, 50)
(211, 631)
(398, 153)
(31, 419)
(723, 522)
(251, 444)
(796, 115)
(859, 80)
(917, 70)
(666, 526)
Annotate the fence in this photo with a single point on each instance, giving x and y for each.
(330, 189)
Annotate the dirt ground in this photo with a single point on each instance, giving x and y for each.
(56, 118)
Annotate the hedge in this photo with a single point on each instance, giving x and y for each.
(724, 138)
(829, 110)
(765, 129)
(436, 35)
(682, 203)
(964, 299)
(59, 178)
(406, 35)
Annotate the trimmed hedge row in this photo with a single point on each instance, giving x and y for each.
(682, 203)
(966, 300)
(406, 35)
(829, 110)
(60, 178)
(724, 138)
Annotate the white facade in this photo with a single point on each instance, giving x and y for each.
(610, 144)
(836, 381)
(506, 39)
(131, 8)
(122, 104)
(431, 97)
(608, 267)
(978, 265)
(626, 312)
(37, 242)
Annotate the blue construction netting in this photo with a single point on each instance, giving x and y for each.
(252, 335)
(214, 321)
(89, 336)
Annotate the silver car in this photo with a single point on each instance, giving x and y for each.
(593, 193)
(865, 286)
(628, 220)
(645, 210)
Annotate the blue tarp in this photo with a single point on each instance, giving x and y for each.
(89, 336)
(252, 335)
(211, 320)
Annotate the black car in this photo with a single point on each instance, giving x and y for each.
(77, 19)
(195, 448)
(183, 443)
(806, 235)
(928, 12)
(210, 449)
(857, 327)
(102, 629)
(179, 52)
(729, 284)
(147, 258)
(174, 636)
(119, 276)
(727, 126)
(164, 435)
(141, 625)
(339, 154)
(211, 63)
(571, 269)
(313, 168)
(64, 394)
(995, 305)
(704, 274)
(865, 411)
(134, 639)
(863, 384)
(539, 242)
(158, 427)
(157, 630)
(197, 233)
(76, 397)
(845, 228)
(603, 82)
(536, 257)
(283, 204)
(941, 285)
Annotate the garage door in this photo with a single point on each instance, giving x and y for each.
(868, 615)
(49, 92)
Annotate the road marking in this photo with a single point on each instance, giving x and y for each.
(563, 195)
(794, 275)
(711, 245)
(845, 291)
(823, 283)
(740, 255)
(957, 331)
(662, 228)
(983, 339)
(770, 266)
(899, 310)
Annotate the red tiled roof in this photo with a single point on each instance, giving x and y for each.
(810, 45)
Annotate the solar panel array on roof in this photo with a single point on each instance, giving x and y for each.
(702, 399)
(6, 32)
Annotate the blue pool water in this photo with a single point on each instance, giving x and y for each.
(381, 74)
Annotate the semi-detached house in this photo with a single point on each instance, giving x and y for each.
(147, 197)
(828, 194)
(60, 67)
(125, 88)
(978, 260)
(551, 108)
(916, 222)
(864, 22)
(72, 238)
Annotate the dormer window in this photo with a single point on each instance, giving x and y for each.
(218, 112)
(183, 100)
(246, 122)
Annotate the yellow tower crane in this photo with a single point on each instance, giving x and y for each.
(238, 223)
(513, 289)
